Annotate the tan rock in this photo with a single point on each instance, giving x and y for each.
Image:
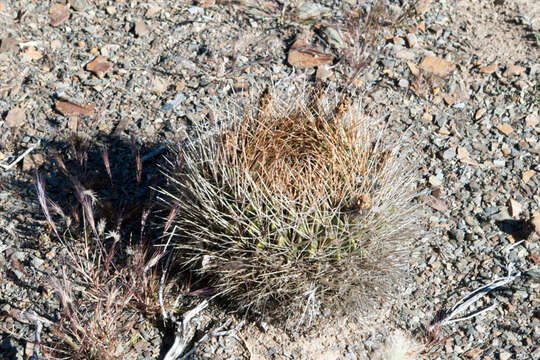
(159, 85)
(412, 40)
(152, 11)
(513, 70)
(140, 28)
(449, 99)
(514, 208)
(535, 223)
(310, 10)
(324, 72)
(490, 69)
(406, 54)
(8, 45)
(15, 117)
(58, 14)
(474, 353)
(464, 156)
(422, 6)
(437, 66)
(434, 203)
(29, 349)
(413, 68)
(479, 113)
(32, 161)
(527, 175)
(79, 5)
(99, 66)
(73, 123)
(32, 54)
(505, 128)
(434, 181)
(427, 117)
(532, 120)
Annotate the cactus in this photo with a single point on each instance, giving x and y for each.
(288, 199)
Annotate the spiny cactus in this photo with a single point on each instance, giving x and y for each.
(292, 202)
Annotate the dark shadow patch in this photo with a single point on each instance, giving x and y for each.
(516, 228)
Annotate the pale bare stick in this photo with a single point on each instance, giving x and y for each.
(472, 297)
(28, 151)
(184, 332)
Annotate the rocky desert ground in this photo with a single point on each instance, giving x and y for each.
(459, 80)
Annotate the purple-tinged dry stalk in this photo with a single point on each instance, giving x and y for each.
(106, 162)
(296, 200)
(44, 201)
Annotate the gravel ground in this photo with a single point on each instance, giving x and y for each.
(460, 80)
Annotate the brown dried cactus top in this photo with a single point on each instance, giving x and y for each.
(307, 154)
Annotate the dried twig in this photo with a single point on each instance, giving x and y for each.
(471, 298)
(33, 317)
(28, 151)
(310, 300)
(184, 333)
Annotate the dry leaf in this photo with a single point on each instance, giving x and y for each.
(68, 108)
(302, 55)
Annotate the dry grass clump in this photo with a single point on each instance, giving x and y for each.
(110, 277)
(98, 318)
(296, 201)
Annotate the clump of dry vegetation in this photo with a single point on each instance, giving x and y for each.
(293, 203)
(111, 275)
